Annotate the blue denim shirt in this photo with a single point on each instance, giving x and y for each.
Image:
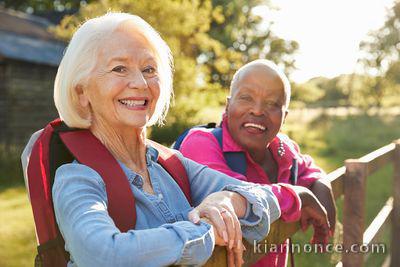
(163, 234)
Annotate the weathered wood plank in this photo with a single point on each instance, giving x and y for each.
(376, 227)
(395, 258)
(378, 158)
(378, 222)
(278, 233)
(350, 182)
(354, 210)
(336, 178)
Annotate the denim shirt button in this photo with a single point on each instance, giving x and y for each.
(163, 207)
(138, 181)
(148, 159)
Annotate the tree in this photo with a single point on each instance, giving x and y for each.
(381, 56)
(202, 36)
(246, 37)
(37, 7)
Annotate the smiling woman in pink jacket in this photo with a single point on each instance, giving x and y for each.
(255, 113)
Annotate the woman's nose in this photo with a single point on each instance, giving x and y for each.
(257, 109)
(137, 80)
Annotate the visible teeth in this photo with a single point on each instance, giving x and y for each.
(258, 126)
(133, 103)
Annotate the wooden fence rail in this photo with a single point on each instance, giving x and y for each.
(349, 181)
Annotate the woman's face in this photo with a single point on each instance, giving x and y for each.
(124, 86)
(256, 109)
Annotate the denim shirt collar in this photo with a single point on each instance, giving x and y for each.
(151, 157)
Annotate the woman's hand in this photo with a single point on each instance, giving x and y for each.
(312, 212)
(222, 210)
(323, 191)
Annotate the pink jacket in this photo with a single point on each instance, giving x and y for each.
(201, 146)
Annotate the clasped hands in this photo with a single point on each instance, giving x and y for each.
(222, 210)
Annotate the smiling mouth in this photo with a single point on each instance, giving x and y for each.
(134, 103)
(255, 127)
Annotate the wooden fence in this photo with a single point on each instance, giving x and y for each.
(348, 181)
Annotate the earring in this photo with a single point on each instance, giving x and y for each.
(281, 149)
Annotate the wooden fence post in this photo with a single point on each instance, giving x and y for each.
(354, 211)
(395, 253)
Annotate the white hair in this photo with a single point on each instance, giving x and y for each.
(272, 66)
(80, 58)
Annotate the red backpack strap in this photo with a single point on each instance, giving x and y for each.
(40, 188)
(173, 165)
(88, 150)
(51, 246)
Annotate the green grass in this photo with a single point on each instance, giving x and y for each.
(17, 234)
(330, 140)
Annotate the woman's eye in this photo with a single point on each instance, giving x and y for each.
(271, 104)
(149, 70)
(119, 69)
(245, 97)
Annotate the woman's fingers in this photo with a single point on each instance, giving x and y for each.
(239, 255)
(234, 230)
(320, 235)
(214, 215)
(230, 226)
(194, 216)
(332, 220)
(219, 210)
(238, 246)
(321, 229)
(305, 220)
(231, 257)
(238, 232)
(235, 256)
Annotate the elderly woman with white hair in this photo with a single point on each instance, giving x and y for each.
(115, 80)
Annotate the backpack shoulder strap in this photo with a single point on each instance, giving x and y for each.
(235, 160)
(173, 165)
(50, 244)
(295, 165)
(88, 150)
(40, 188)
(178, 142)
(294, 172)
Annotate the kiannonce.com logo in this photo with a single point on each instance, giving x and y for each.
(263, 248)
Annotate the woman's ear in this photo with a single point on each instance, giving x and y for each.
(285, 115)
(83, 99)
(228, 98)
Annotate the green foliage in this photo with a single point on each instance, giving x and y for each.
(41, 6)
(381, 56)
(307, 93)
(321, 91)
(209, 41)
(246, 37)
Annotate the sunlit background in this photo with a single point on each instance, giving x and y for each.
(328, 32)
(342, 57)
